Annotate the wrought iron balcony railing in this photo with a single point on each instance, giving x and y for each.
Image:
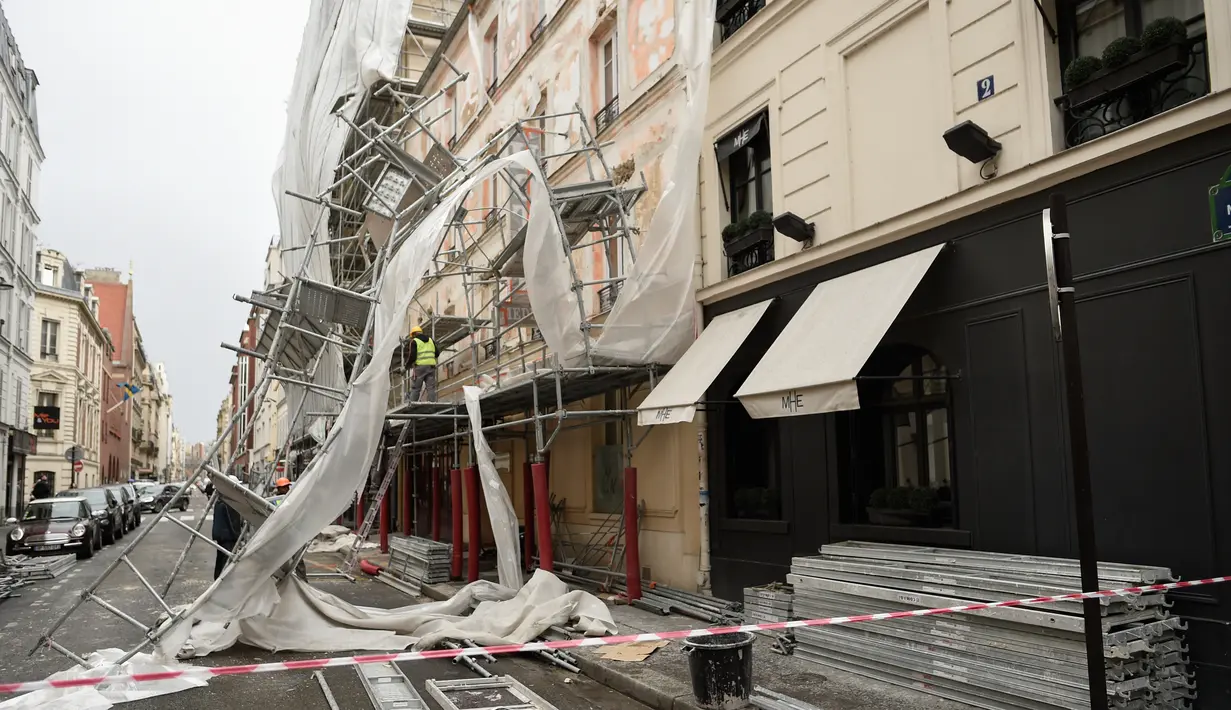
(736, 14)
(607, 115)
(607, 296)
(1152, 82)
(750, 251)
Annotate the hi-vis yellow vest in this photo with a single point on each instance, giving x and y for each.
(425, 352)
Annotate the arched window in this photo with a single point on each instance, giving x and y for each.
(896, 449)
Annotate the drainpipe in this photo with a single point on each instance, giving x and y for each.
(703, 491)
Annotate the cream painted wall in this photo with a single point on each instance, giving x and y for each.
(859, 95)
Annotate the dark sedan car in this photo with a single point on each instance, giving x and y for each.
(54, 526)
(168, 492)
(128, 504)
(146, 493)
(106, 508)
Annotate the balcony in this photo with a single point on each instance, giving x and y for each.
(749, 250)
(1151, 82)
(538, 30)
(607, 115)
(734, 14)
(489, 349)
(607, 296)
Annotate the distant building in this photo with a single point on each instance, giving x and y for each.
(21, 158)
(115, 312)
(243, 380)
(68, 378)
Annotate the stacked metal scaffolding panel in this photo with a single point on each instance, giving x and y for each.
(768, 603)
(1004, 658)
(417, 561)
(32, 568)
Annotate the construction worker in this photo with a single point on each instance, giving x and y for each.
(282, 486)
(227, 527)
(423, 355)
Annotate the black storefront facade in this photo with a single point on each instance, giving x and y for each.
(970, 370)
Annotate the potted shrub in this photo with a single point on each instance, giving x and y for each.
(1126, 62)
(903, 506)
(755, 228)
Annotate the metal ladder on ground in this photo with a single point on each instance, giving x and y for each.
(388, 687)
(347, 567)
(496, 693)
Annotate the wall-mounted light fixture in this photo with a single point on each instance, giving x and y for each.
(970, 141)
(791, 225)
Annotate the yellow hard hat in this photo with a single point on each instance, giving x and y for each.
(416, 330)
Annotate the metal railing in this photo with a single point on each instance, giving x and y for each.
(735, 15)
(607, 115)
(607, 296)
(538, 29)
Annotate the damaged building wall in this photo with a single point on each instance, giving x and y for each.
(538, 57)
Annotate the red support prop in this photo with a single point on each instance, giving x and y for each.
(455, 489)
(527, 488)
(542, 515)
(384, 524)
(475, 535)
(435, 487)
(632, 548)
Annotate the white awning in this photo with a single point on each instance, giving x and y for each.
(675, 398)
(810, 368)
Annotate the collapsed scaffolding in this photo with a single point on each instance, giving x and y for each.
(318, 317)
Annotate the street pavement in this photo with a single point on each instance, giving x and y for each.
(24, 619)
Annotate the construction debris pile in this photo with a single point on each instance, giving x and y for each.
(1009, 657)
(8, 585)
(25, 568)
(416, 561)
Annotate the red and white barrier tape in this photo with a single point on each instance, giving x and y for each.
(317, 663)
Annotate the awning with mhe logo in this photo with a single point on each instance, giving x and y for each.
(811, 367)
(675, 398)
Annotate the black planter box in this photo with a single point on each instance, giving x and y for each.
(747, 241)
(1144, 66)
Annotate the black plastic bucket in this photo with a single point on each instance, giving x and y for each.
(721, 669)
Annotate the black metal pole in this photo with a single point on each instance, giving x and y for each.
(1070, 358)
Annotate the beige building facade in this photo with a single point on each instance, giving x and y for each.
(69, 375)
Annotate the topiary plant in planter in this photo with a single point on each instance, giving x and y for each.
(1162, 32)
(735, 230)
(759, 220)
(1080, 70)
(1119, 51)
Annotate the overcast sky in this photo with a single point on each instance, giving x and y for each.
(162, 121)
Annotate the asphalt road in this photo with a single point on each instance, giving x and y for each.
(23, 620)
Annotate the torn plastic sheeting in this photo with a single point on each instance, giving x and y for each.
(310, 620)
(105, 696)
(246, 588)
(499, 507)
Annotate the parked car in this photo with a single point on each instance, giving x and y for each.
(128, 503)
(106, 509)
(168, 492)
(132, 493)
(146, 493)
(54, 526)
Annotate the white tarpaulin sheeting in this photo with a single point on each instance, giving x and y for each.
(811, 367)
(674, 399)
(104, 696)
(652, 319)
(499, 506)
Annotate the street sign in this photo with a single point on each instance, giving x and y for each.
(77, 466)
(74, 453)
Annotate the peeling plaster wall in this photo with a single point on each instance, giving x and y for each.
(563, 66)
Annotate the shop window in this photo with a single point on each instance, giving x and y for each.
(1127, 60)
(895, 451)
(753, 481)
(47, 399)
(745, 172)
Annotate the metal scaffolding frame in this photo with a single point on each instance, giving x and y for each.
(379, 194)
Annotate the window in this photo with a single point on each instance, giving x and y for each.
(50, 276)
(1150, 82)
(451, 102)
(745, 171)
(753, 479)
(607, 475)
(608, 82)
(24, 313)
(6, 214)
(751, 185)
(48, 399)
(537, 10)
(895, 456)
(6, 310)
(50, 343)
(30, 178)
(493, 49)
(13, 137)
(735, 14)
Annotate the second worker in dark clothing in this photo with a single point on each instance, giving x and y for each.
(422, 353)
(227, 526)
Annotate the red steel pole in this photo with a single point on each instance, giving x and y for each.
(455, 490)
(527, 488)
(435, 483)
(472, 523)
(542, 515)
(632, 549)
(384, 523)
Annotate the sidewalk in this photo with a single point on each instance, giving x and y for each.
(662, 681)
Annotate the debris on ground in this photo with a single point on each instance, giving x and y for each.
(635, 652)
(336, 538)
